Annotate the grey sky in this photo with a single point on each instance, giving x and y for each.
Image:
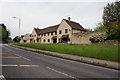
(39, 13)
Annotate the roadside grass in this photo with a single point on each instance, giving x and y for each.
(105, 52)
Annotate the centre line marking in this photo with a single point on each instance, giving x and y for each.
(61, 73)
(22, 57)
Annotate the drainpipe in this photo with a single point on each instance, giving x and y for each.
(71, 35)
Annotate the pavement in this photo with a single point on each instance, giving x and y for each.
(23, 64)
(99, 62)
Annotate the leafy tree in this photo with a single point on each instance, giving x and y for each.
(88, 30)
(16, 39)
(100, 26)
(4, 33)
(111, 19)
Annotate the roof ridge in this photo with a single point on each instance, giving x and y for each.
(37, 28)
(50, 26)
(74, 25)
(71, 21)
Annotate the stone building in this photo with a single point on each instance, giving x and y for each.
(66, 32)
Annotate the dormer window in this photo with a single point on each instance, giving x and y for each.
(55, 32)
(51, 33)
(48, 34)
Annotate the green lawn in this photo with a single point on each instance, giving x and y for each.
(106, 52)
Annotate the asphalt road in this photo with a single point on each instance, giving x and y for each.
(18, 63)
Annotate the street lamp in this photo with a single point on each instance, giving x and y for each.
(18, 23)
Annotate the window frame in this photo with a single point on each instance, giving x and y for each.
(51, 33)
(48, 40)
(60, 31)
(55, 32)
(66, 30)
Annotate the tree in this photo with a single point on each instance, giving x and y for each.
(4, 33)
(16, 39)
(88, 30)
(100, 26)
(111, 19)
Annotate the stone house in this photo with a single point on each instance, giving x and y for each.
(66, 32)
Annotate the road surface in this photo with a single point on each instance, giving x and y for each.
(18, 63)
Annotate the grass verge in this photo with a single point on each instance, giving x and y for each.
(105, 52)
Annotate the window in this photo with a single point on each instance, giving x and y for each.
(60, 31)
(55, 32)
(48, 40)
(41, 35)
(38, 35)
(44, 40)
(48, 34)
(51, 33)
(66, 30)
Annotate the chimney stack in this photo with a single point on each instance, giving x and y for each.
(69, 18)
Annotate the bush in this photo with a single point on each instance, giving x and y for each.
(98, 38)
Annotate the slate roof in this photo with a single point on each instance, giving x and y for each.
(47, 30)
(73, 25)
(37, 30)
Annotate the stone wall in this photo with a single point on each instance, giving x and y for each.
(83, 37)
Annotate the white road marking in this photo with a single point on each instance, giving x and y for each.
(67, 60)
(2, 77)
(22, 57)
(19, 65)
(29, 65)
(18, 55)
(8, 65)
(61, 73)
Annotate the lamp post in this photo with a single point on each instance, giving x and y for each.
(18, 23)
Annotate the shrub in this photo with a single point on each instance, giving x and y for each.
(98, 38)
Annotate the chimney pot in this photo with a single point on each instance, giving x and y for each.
(69, 18)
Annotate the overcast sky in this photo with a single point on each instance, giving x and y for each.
(44, 13)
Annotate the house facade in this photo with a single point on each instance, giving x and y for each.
(66, 32)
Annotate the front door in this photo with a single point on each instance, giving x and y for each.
(54, 40)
